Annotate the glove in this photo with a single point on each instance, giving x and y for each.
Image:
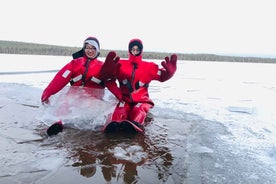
(45, 97)
(110, 66)
(77, 54)
(169, 67)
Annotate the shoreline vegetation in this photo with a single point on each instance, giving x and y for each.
(15, 47)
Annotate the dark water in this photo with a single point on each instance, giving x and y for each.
(96, 157)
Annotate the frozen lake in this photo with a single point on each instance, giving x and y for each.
(214, 122)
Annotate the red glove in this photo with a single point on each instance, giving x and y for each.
(110, 66)
(45, 97)
(169, 67)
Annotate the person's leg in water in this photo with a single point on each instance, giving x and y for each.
(139, 113)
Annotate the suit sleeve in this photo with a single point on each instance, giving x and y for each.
(59, 81)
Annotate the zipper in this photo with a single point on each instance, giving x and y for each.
(85, 72)
(132, 79)
(133, 75)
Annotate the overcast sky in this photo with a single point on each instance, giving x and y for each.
(245, 27)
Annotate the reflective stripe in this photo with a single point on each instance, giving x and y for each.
(121, 104)
(124, 81)
(66, 73)
(141, 84)
(94, 79)
(75, 79)
(159, 72)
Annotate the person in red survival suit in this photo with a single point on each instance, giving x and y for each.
(83, 70)
(134, 76)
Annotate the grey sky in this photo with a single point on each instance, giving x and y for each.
(185, 26)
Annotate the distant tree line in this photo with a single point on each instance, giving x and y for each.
(14, 47)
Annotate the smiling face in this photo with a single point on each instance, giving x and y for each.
(90, 51)
(91, 47)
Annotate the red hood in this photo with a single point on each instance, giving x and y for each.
(132, 58)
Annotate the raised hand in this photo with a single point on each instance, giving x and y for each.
(110, 66)
(169, 67)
